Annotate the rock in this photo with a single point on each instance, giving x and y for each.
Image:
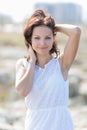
(11, 118)
(74, 85)
(5, 78)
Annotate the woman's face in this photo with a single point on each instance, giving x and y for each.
(42, 40)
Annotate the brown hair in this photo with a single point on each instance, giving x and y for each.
(39, 18)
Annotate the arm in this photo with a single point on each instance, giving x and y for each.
(71, 47)
(24, 77)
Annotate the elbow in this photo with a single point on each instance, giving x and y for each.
(22, 93)
(77, 31)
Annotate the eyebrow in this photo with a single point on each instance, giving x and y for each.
(39, 35)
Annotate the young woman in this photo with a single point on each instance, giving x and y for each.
(42, 77)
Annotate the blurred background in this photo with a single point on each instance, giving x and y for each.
(13, 15)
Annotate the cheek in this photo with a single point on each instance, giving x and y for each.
(35, 42)
(34, 45)
(51, 43)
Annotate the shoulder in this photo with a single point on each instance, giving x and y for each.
(59, 59)
(20, 63)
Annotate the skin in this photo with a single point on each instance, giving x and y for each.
(41, 44)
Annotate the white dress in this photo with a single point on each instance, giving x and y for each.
(47, 101)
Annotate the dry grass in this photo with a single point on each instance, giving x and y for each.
(15, 39)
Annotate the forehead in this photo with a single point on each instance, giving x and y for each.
(42, 30)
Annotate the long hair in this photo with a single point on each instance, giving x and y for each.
(39, 18)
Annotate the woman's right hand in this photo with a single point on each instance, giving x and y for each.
(31, 54)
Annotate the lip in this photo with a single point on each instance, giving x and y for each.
(42, 48)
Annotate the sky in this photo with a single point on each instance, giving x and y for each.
(19, 9)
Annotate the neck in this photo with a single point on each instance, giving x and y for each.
(42, 60)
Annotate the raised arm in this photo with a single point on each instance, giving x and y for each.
(71, 47)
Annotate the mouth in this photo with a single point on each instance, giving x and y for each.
(43, 48)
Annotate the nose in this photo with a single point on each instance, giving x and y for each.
(42, 42)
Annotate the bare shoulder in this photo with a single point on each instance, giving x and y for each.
(19, 63)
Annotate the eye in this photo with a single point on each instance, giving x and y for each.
(36, 38)
(48, 37)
